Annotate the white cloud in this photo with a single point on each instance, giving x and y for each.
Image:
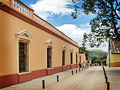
(47, 8)
(104, 47)
(76, 33)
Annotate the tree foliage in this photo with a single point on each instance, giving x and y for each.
(97, 61)
(105, 25)
(97, 55)
(84, 49)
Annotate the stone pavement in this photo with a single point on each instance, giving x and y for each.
(89, 79)
(113, 74)
(36, 84)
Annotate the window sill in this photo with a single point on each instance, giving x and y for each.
(24, 73)
(64, 66)
(49, 68)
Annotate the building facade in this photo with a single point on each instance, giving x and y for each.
(83, 60)
(30, 47)
(90, 61)
(113, 56)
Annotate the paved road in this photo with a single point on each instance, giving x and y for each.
(113, 74)
(90, 79)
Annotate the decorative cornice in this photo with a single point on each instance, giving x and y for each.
(32, 22)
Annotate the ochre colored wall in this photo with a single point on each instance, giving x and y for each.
(83, 58)
(9, 49)
(115, 58)
(38, 47)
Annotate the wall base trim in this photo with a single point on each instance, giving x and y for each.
(115, 64)
(64, 68)
(12, 79)
(72, 66)
(8, 80)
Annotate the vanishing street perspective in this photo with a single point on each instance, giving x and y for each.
(59, 44)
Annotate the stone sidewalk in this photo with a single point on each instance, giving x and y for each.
(36, 84)
(113, 74)
(88, 79)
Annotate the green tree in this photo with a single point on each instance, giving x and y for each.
(105, 25)
(84, 49)
(93, 59)
(104, 57)
(97, 61)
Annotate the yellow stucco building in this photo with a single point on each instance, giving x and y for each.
(113, 56)
(83, 59)
(30, 47)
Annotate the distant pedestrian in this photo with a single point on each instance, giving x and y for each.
(84, 65)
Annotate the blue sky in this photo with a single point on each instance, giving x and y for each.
(58, 13)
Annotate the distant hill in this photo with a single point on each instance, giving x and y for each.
(97, 54)
(98, 50)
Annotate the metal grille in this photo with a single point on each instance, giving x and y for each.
(71, 57)
(22, 57)
(63, 57)
(76, 58)
(49, 57)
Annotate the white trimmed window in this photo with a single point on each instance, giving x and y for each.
(23, 38)
(71, 56)
(63, 58)
(63, 55)
(49, 53)
(76, 58)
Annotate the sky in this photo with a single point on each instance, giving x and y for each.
(58, 13)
